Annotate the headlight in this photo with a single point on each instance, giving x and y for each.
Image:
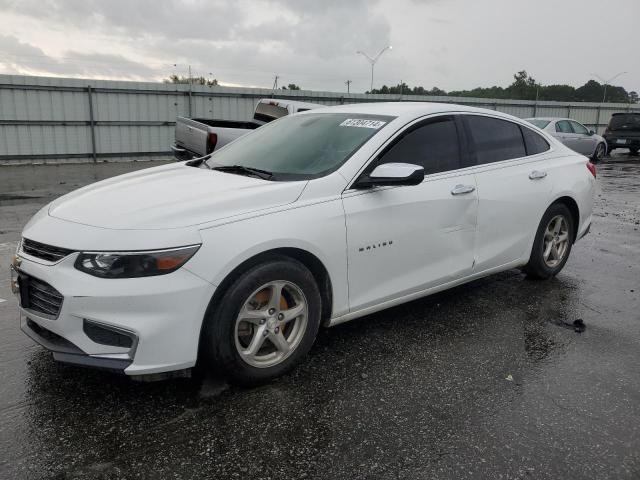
(134, 264)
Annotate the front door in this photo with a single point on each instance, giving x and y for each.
(586, 141)
(403, 240)
(567, 136)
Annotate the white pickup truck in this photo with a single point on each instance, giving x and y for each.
(196, 137)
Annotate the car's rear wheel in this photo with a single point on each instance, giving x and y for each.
(599, 153)
(264, 324)
(553, 242)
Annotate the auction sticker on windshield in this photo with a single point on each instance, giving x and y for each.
(362, 123)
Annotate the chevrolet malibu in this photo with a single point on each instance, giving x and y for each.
(236, 259)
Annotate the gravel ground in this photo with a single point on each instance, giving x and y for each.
(488, 380)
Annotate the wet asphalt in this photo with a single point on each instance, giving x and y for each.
(488, 380)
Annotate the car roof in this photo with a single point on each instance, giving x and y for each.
(550, 119)
(289, 101)
(409, 109)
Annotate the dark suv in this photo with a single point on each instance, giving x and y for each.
(623, 131)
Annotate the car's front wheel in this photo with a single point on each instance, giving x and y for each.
(599, 152)
(633, 151)
(264, 324)
(553, 242)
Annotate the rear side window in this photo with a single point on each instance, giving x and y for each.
(538, 123)
(563, 127)
(434, 146)
(495, 139)
(534, 142)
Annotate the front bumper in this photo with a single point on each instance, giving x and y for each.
(162, 315)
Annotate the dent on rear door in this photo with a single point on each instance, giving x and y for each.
(511, 205)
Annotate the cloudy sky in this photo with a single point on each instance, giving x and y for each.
(451, 44)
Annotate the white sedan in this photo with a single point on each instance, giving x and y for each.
(315, 219)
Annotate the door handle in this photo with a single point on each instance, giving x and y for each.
(537, 175)
(462, 189)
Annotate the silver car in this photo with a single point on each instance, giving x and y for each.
(574, 135)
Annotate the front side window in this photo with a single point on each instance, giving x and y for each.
(579, 128)
(494, 139)
(434, 146)
(299, 147)
(563, 126)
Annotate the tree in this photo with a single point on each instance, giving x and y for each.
(523, 87)
(194, 80)
(291, 86)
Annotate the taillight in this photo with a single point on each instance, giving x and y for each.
(212, 139)
(592, 169)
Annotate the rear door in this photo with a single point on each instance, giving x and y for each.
(513, 185)
(403, 240)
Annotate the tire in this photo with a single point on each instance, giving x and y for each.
(633, 151)
(542, 267)
(228, 340)
(599, 153)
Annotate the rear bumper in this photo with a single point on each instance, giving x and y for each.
(181, 154)
(614, 141)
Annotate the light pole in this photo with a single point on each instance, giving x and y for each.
(607, 82)
(373, 60)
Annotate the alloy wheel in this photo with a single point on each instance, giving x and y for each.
(271, 324)
(556, 241)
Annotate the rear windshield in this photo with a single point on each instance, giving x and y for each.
(538, 123)
(626, 121)
(300, 147)
(267, 112)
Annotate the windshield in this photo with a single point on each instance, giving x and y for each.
(538, 123)
(299, 147)
(627, 121)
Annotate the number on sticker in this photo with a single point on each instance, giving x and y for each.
(362, 123)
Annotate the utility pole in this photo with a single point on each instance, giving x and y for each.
(275, 82)
(348, 83)
(190, 92)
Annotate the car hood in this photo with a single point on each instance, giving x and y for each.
(171, 196)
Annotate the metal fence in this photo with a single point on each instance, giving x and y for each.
(60, 119)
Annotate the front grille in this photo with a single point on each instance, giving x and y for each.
(39, 296)
(45, 252)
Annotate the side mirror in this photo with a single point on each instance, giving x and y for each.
(392, 174)
(591, 132)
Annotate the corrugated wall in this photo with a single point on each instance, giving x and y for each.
(45, 119)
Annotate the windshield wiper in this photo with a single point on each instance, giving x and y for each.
(242, 170)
